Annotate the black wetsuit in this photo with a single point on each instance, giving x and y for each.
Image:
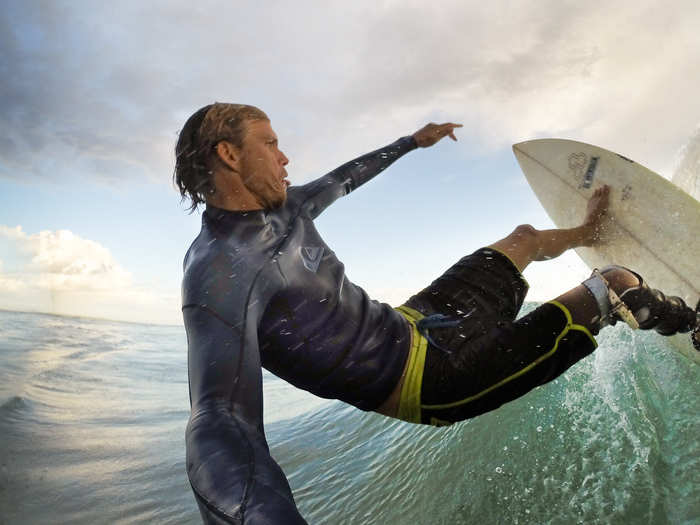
(263, 289)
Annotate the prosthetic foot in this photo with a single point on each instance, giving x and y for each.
(641, 306)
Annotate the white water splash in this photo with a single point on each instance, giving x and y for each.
(687, 173)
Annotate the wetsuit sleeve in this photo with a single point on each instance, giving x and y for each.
(233, 476)
(322, 192)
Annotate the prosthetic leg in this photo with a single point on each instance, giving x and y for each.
(642, 307)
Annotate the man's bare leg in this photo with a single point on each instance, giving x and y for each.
(526, 244)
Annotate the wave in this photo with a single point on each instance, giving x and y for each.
(15, 405)
(687, 173)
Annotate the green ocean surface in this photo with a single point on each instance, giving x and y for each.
(93, 414)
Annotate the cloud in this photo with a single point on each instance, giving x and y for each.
(549, 68)
(102, 91)
(62, 261)
(62, 273)
(8, 284)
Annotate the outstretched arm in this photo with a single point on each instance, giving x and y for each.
(325, 190)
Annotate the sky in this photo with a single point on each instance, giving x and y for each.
(93, 95)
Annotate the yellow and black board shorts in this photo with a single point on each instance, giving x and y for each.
(489, 358)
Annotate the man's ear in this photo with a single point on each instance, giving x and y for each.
(229, 155)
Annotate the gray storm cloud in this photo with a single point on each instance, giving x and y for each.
(101, 89)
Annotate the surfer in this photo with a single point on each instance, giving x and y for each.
(262, 289)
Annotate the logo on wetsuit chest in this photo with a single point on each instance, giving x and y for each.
(311, 256)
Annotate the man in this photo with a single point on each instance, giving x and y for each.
(261, 288)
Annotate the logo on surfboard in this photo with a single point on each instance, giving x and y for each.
(583, 168)
(577, 164)
(626, 192)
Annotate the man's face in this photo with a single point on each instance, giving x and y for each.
(262, 165)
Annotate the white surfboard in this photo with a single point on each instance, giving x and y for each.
(653, 227)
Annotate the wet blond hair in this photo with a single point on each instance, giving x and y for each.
(194, 151)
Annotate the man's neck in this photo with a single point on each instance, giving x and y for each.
(232, 195)
(233, 203)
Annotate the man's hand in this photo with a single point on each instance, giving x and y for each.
(430, 134)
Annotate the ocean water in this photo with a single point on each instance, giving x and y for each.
(93, 414)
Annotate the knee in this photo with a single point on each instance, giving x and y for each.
(525, 230)
(523, 245)
(526, 234)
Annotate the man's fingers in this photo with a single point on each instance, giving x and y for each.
(432, 133)
(449, 129)
(448, 126)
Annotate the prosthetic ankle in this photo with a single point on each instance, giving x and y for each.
(640, 306)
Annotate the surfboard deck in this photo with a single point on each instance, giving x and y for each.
(653, 226)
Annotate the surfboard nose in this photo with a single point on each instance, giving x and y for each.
(543, 148)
